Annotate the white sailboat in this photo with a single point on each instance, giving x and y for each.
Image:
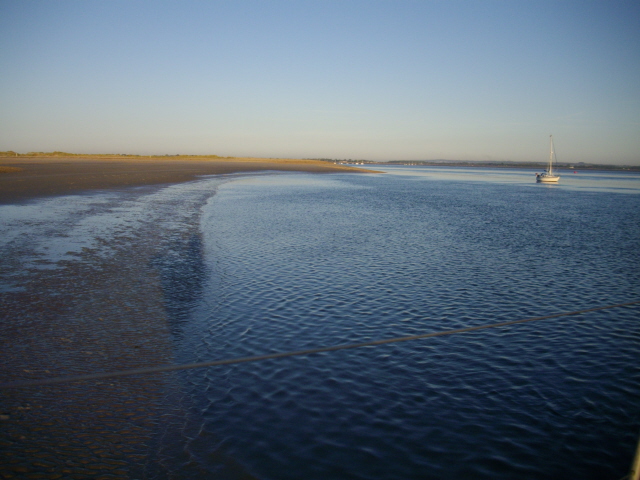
(548, 176)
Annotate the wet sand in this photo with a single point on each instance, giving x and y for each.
(85, 317)
(93, 315)
(32, 177)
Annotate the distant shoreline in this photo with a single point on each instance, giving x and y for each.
(30, 176)
(532, 165)
(33, 175)
(6, 156)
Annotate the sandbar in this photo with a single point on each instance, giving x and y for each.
(30, 177)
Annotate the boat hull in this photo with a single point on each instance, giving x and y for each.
(547, 178)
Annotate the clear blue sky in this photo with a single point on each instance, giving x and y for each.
(380, 80)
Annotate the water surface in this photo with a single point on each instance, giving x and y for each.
(300, 261)
(255, 264)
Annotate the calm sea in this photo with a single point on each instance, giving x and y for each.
(285, 262)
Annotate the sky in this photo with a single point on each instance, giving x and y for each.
(376, 80)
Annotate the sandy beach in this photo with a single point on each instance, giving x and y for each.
(92, 314)
(30, 177)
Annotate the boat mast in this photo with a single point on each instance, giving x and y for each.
(551, 153)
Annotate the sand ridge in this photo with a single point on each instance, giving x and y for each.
(33, 177)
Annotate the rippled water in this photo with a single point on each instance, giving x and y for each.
(300, 261)
(254, 264)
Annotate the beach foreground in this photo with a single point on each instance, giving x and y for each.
(30, 177)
